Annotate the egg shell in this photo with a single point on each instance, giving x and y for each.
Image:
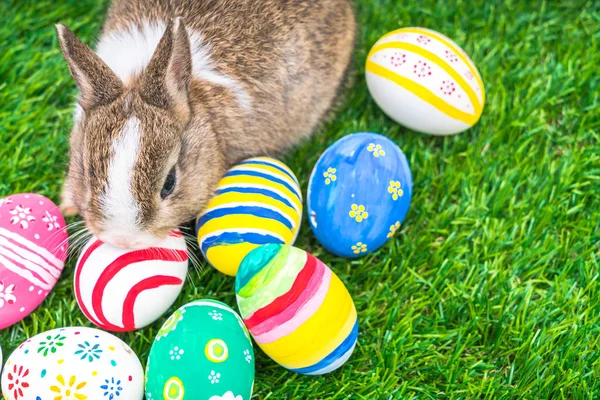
(297, 310)
(123, 290)
(358, 194)
(424, 81)
(258, 201)
(202, 352)
(33, 249)
(88, 363)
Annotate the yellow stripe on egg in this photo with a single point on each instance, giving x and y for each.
(440, 63)
(272, 161)
(245, 181)
(448, 42)
(239, 222)
(423, 93)
(233, 199)
(322, 332)
(230, 256)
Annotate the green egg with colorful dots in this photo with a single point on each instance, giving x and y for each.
(202, 352)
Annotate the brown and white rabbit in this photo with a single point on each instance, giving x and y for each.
(177, 91)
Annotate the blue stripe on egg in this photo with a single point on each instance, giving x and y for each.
(265, 176)
(232, 237)
(335, 355)
(268, 164)
(256, 211)
(255, 190)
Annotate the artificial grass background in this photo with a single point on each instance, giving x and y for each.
(490, 291)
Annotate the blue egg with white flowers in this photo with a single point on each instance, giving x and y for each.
(358, 194)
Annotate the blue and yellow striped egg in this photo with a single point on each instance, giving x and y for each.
(258, 201)
(358, 194)
(424, 81)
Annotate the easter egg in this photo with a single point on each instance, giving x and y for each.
(425, 81)
(297, 310)
(202, 352)
(123, 290)
(73, 363)
(358, 194)
(33, 249)
(258, 201)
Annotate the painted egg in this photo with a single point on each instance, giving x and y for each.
(73, 363)
(123, 290)
(202, 352)
(425, 81)
(298, 311)
(258, 201)
(358, 194)
(33, 249)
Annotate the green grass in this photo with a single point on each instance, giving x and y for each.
(492, 289)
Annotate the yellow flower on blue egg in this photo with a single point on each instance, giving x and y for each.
(377, 150)
(358, 212)
(360, 247)
(329, 175)
(393, 229)
(395, 190)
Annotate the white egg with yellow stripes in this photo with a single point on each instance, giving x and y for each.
(258, 201)
(424, 81)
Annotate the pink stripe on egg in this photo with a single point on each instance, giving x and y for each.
(288, 321)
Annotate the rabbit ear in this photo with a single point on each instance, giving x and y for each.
(166, 80)
(97, 83)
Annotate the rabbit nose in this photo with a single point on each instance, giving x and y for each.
(124, 242)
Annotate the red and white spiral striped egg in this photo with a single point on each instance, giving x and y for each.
(122, 290)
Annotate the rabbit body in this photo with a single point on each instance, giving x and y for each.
(178, 91)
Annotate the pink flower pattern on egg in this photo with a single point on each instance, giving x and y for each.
(450, 56)
(422, 69)
(398, 59)
(448, 88)
(423, 40)
(33, 250)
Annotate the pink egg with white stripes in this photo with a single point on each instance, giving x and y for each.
(33, 249)
(122, 290)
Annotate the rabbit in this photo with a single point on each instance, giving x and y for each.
(179, 91)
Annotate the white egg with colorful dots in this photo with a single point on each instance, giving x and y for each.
(424, 81)
(73, 363)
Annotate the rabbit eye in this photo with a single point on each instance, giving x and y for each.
(169, 185)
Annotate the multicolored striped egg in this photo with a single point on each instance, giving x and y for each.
(298, 311)
(425, 81)
(258, 201)
(123, 290)
(358, 194)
